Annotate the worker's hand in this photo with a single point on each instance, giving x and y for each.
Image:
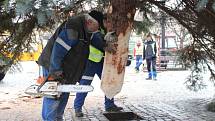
(111, 47)
(111, 37)
(56, 76)
(111, 42)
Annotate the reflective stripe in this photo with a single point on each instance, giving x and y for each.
(95, 57)
(87, 78)
(62, 43)
(153, 48)
(93, 34)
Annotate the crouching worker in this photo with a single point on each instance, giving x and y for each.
(64, 59)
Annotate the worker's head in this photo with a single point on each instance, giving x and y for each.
(94, 20)
(91, 24)
(138, 43)
(149, 37)
(71, 13)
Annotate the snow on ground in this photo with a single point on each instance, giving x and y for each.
(15, 82)
(169, 84)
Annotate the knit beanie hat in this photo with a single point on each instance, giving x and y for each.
(98, 16)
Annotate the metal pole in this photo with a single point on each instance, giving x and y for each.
(162, 30)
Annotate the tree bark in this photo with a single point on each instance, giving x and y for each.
(121, 16)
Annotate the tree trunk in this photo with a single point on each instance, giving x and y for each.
(121, 16)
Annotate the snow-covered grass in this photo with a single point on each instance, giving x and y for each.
(16, 81)
(169, 86)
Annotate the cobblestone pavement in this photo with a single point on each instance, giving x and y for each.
(149, 111)
(93, 110)
(166, 99)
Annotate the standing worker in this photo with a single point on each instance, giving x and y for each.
(149, 53)
(94, 66)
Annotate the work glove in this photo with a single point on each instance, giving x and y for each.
(111, 37)
(56, 76)
(111, 42)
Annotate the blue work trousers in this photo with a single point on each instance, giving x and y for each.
(151, 67)
(53, 109)
(139, 61)
(92, 68)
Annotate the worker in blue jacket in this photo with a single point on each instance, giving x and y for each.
(64, 59)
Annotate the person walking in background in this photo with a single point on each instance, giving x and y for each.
(138, 54)
(149, 53)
